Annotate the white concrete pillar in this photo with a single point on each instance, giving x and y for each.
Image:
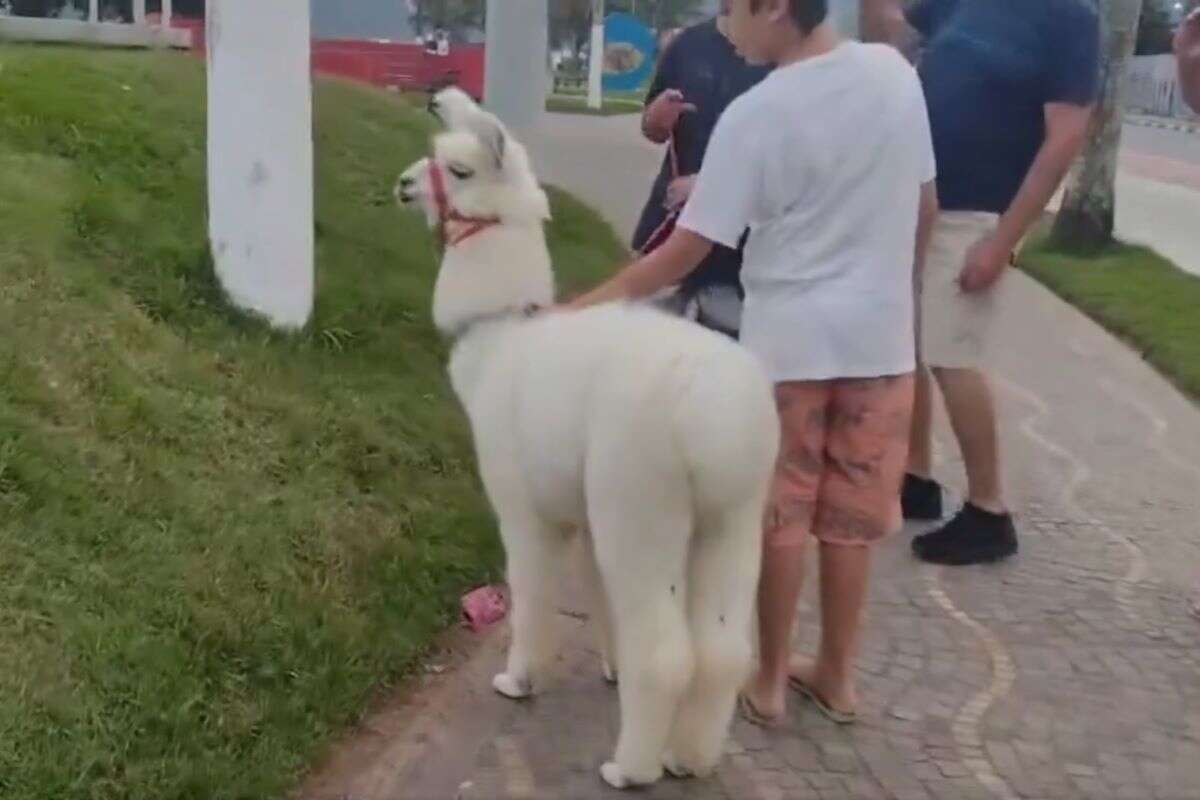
(139, 12)
(93, 10)
(515, 70)
(167, 13)
(596, 57)
(260, 156)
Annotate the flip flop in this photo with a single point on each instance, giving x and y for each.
(751, 714)
(830, 713)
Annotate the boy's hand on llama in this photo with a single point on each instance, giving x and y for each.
(985, 263)
(678, 192)
(662, 115)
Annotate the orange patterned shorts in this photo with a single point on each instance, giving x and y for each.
(845, 447)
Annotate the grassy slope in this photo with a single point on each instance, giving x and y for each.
(214, 541)
(1136, 294)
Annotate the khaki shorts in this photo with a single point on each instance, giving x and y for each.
(956, 327)
(845, 447)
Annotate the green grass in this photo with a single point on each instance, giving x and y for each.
(1135, 293)
(636, 96)
(215, 541)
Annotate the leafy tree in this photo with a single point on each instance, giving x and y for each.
(456, 17)
(1155, 31)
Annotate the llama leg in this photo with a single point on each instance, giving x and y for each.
(598, 605)
(642, 557)
(722, 580)
(535, 554)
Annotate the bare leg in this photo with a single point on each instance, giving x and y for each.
(778, 593)
(920, 450)
(803, 409)
(844, 573)
(973, 417)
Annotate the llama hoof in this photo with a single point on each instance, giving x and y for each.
(512, 688)
(615, 777)
(687, 767)
(676, 768)
(610, 674)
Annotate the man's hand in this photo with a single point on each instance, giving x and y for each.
(678, 192)
(985, 263)
(661, 116)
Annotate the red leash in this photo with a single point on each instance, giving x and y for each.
(447, 213)
(663, 231)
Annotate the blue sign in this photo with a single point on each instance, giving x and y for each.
(629, 52)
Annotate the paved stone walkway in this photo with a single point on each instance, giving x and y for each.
(1071, 671)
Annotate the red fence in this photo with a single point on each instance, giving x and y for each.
(405, 65)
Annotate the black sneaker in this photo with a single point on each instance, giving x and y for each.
(973, 536)
(921, 498)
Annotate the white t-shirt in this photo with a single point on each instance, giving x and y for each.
(823, 161)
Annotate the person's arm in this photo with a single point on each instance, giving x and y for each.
(884, 21)
(681, 253)
(1066, 132)
(1070, 85)
(664, 103)
(1187, 52)
(718, 212)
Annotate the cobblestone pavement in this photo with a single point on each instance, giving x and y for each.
(1070, 671)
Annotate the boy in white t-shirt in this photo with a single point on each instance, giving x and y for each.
(829, 163)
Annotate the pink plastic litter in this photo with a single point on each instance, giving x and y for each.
(484, 606)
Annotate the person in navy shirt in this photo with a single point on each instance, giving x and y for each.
(699, 75)
(1010, 88)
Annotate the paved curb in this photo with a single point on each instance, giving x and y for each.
(1162, 123)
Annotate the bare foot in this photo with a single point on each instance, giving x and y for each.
(769, 702)
(835, 691)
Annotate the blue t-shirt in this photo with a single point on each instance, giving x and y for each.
(704, 65)
(989, 67)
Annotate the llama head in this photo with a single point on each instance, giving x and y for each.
(452, 106)
(477, 170)
(478, 180)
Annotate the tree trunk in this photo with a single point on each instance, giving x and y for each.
(1085, 220)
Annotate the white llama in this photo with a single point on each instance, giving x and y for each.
(653, 437)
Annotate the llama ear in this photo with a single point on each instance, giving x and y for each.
(491, 135)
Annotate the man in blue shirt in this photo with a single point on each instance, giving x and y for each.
(699, 75)
(1010, 88)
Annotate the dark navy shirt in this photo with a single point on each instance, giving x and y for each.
(989, 67)
(703, 65)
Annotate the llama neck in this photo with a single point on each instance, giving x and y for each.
(503, 269)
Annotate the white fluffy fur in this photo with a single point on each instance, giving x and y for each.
(654, 437)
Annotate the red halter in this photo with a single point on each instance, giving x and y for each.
(663, 232)
(448, 214)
